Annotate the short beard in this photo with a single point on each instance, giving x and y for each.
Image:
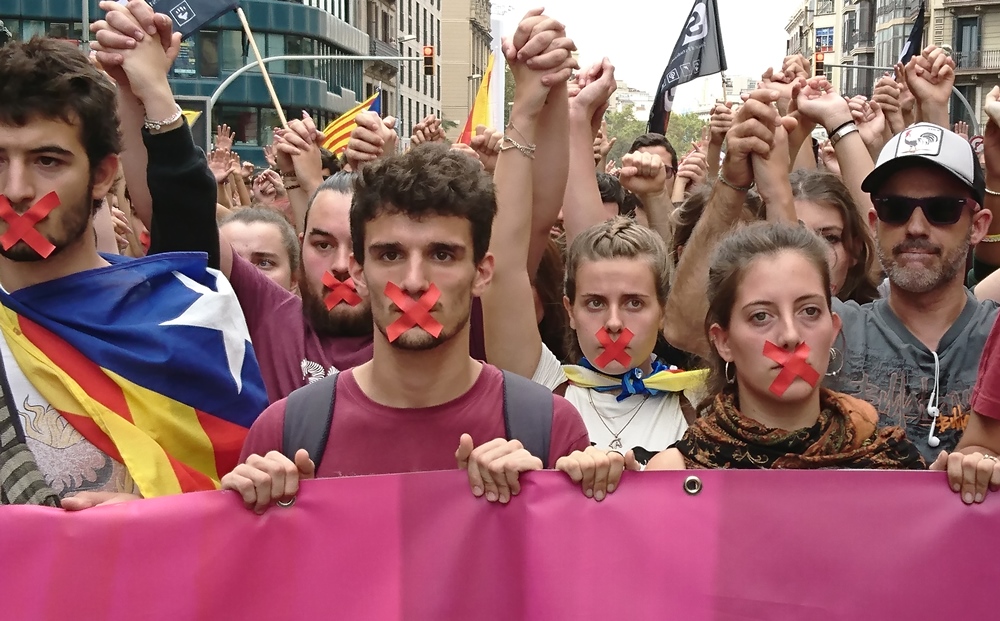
(341, 321)
(418, 339)
(74, 219)
(922, 280)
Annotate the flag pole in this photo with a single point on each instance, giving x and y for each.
(263, 69)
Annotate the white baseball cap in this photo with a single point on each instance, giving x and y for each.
(934, 144)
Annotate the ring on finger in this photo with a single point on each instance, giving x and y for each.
(992, 458)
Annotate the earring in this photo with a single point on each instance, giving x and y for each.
(833, 356)
(732, 379)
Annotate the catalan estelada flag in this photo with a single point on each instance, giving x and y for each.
(149, 359)
(480, 113)
(338, 133)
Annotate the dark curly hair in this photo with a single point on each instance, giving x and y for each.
(429, 179)
(51, 79)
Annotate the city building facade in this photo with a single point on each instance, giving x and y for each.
(465, 30)
(420, 94)
(323, 88)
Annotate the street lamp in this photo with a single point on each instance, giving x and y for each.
(399, 82)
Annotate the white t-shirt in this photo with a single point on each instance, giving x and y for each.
(549, 371)
(658, 423)
(65, 458)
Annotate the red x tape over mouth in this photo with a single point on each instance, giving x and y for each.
(614, 350)
(415, 312)
(795, 365)
(341, 291)
(21, 227)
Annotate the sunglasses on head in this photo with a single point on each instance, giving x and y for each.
(939, 210)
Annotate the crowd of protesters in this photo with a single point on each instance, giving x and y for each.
(768, 300)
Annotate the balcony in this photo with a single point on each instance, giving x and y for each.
(982, 60)
(859, 43)
(378, 47)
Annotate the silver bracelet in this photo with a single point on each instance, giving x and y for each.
(527, 150)
(155, 126)
(726, 182)
(837, 136)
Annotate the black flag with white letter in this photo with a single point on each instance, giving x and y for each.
(698, 52)
(190, 15)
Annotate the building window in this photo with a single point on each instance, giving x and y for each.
(208, 53)
(231, 51)
(276, 47)
(824, 39)
(824, 7)
(967, 42)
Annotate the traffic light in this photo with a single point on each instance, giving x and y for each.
(818, 68)
(428, 60)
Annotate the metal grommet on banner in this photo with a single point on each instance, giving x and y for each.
(286, 503)
(692, 485)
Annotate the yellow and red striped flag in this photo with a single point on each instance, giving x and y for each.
(480, 113)
(338, 132)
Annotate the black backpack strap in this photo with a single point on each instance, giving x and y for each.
(527, 414)
(308, 416)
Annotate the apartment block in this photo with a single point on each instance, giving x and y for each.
(465, 50)
(420, 94)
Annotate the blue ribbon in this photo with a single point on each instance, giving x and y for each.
(631, 380)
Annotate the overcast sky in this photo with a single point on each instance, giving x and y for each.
(638, 35)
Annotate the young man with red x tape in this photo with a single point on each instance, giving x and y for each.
(421, 225)
(300, 339)
(119, 378)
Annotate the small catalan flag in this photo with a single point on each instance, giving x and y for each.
(338, 133)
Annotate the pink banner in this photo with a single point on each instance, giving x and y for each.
(751, 545)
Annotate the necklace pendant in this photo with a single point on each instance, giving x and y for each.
(616, 444)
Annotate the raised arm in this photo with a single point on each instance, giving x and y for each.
(582, 207)
(930, 76)
(181, 187)
(989, 253)
(510, 325)
(687, 304)
(301, 165)
(551, 169)
(645, 175)
(819, 101)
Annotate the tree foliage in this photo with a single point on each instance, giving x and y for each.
(626, 128)
(681, 132)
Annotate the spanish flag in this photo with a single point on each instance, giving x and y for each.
(480, 113)
(149, 359)
(338, 133)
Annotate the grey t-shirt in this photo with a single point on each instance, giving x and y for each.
(887, 366)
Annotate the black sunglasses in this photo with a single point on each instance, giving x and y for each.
(939, 210)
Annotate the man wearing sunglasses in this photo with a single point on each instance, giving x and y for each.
(915, 353)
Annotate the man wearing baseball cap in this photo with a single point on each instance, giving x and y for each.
(915, 353)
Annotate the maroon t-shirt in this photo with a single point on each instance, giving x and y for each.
(370, 438)
(289, 351)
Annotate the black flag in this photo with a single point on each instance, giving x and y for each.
(915, 43)
(190, 15)
(698, 52)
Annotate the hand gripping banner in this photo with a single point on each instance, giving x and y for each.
(775, 545)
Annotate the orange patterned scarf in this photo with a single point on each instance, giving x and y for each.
(845, 436)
